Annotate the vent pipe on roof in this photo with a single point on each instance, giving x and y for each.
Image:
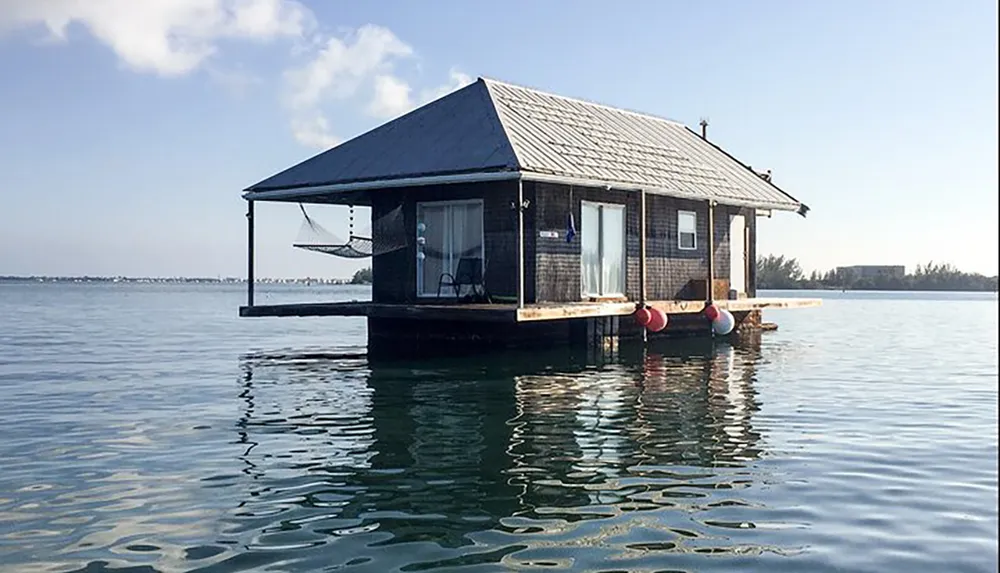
(704, 128)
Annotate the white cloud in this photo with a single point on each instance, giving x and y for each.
(313, 131)
(456, 80)
(392, 97)
(340, 70)
(167, 37)
(340, 66)
(336, 72)
(177, 37)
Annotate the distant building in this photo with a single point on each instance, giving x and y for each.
(872, 271)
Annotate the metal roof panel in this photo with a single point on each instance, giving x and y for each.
(496, 126)
(573, 138)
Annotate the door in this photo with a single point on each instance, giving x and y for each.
(447, 231)
(602, 243)
(737, 254)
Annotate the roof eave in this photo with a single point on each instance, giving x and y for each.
(675, 193)
(800, 207)
(305, 192)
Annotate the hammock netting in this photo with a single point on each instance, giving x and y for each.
(387, 234)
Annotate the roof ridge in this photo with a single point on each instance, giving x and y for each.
(497, 115)
(605, 106)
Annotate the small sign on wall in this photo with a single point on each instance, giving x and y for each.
(548, 234)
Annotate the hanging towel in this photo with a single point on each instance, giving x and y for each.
(570, 228)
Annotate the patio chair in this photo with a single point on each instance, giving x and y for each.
(468, 273)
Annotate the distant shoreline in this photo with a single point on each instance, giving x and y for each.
(171, 280)
(869, 289)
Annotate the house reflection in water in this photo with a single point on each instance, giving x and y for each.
(588, 441)
(452, 461)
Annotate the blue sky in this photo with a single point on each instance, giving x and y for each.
(129, 131)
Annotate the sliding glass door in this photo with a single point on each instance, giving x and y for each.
(602, 242)
(447, 231)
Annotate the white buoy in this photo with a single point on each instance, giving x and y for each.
(724, 323)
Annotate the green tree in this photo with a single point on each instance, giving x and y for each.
(362, 277)
(777, 272)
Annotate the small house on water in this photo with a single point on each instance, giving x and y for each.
(505, 216)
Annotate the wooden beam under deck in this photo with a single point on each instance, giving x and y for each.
(473, 312)
(586, 310)
(511, 312)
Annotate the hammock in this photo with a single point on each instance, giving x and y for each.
(355, 248)
(389, 235)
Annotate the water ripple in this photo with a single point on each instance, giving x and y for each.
(140, 437)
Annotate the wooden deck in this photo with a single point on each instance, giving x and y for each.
(510, 312)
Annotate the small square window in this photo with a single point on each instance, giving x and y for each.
(687, 235)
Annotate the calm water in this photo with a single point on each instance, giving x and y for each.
(147, 428)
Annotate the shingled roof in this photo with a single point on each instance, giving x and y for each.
(494, 127)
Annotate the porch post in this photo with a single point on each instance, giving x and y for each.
(711, 251)
(642, 246)
(520, 243)
(250, 254)
(746, 258)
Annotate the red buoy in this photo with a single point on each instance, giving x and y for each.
(711, 312)
(658, 320)
(642, 316)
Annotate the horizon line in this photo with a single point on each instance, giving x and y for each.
(165, 278)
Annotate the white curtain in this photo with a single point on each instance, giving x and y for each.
(602, 249)
(613, 250)
(468, 231)
(451, 231)
(590, 248)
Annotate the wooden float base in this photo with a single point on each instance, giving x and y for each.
(510, 313)
(397, 331)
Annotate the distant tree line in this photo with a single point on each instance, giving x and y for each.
(778, 272)
(362, 277)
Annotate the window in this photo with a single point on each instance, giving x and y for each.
(687, 234)
(602, 243)
(447, 231)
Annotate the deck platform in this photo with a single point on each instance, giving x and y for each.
(510, 313)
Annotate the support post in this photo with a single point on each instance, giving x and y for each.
(642, 246)
(746, 258)
(642, 252)
(520, 243)
(711, 251)
(250, 253)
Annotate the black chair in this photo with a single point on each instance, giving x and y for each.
(469, 273)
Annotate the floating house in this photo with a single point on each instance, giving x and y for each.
(505, 216)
